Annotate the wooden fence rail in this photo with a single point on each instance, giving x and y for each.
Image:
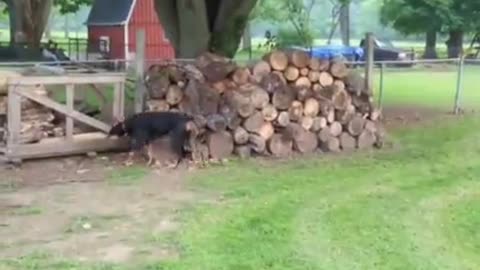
(70, 144)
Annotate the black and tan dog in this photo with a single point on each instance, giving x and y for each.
(144, 128)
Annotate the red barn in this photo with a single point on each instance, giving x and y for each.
(112, 26)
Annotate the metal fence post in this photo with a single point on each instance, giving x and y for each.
(369, 62)
(458, 93)
(380, 93)
(140, 70)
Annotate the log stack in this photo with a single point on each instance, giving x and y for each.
(285, 103)
(38, 122)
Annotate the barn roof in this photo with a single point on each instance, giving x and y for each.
(110, 12)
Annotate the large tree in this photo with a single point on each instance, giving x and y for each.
(416, 17)
(29, 18)
(195, 26)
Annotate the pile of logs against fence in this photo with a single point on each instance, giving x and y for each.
(38, 122)
(284, 103)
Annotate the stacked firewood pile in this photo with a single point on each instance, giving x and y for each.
(38, 122)
(284, 103)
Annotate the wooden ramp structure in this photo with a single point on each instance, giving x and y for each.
(70, 144)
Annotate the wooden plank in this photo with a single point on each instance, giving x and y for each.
(369, 42)
(14, 116)
(106, 78)
(118, 101)
(70, 94)
(80, 144)
(63, 109)
(140, 71)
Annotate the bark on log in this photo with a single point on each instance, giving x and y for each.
(216, 122)
(311, 108)
(313, 76)
(319, 123)
(355, 83)
(272, 82)
(257, 143)
(279, 146)
(347, 142)
(303, 140)
(283, 98)
(266, 131)
(295, 111)
(304, 72)
(339, 84)
(220, 144)
(157, 86)
(270, 113)
(338, 69)
(341, 100)
(375, 114)
(336, 129)
(280, 76)
(277, 59)
(260, 98)
(325, 79)
(304, 93)
(174, 95)
(314, 64)
(291, 74)
(303, 82)
(356, 125)
(306, 122)
(366, 140)
(217, 70)
(331, 145)
(241, 75)
(283, 119)
(240, 136)
(243, 151)
(345, 116)
(261, 69)
(299, 59)
(254, 123)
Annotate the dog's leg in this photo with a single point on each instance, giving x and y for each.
(150, 155)
(178, 137)
(129, 161)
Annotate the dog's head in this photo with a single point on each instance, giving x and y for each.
(118, 129)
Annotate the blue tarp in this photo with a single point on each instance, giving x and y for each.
(332, 51)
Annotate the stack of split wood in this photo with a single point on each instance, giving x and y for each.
(284, 103)
(37, 120)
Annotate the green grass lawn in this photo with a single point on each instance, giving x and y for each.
(416, 206)
(429, 87)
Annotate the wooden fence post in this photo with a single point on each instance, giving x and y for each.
(369, 42)
(140, 70)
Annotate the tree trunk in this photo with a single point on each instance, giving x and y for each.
(431, 45)
(247, 37)
(455, 43)
(345, 24)
(197, 26)
(30, 19)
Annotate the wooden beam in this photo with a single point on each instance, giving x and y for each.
(14, 116)
(119, 101)
(63, 109)
(140, 71)
(106, 78)
(69, 96)
(80, 144)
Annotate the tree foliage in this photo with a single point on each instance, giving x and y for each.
(71, 6)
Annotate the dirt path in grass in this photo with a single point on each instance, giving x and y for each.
(90, 209)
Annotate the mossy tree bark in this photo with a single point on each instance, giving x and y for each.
(196, 26)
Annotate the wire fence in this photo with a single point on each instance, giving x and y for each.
(445, 84)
